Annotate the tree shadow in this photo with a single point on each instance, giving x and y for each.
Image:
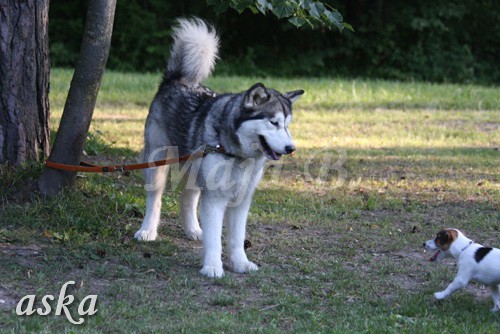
(97, 145)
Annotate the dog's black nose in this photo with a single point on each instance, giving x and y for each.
(289, 149)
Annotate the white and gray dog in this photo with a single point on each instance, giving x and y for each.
(251, 126)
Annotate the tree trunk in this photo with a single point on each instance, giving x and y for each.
(80, 103)
(24, 81)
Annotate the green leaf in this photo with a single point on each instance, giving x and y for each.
(261, 8)
(220, 8)
(336, 15)
(283, 10)
(264, 5)
(241, 6)
(334, 18)
(316, 9)
(348, 26)
(297, 21)
(254, 9)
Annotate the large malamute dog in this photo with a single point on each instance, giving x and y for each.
(251, 127)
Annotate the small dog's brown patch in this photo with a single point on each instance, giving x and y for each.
(445, 238)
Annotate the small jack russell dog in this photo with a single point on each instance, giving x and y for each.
(475, 262)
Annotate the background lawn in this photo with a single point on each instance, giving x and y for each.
(345, 259)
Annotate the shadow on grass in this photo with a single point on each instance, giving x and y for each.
(97, 150)
(380, 181)
(97, 144)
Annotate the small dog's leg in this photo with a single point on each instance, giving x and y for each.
(154, 184)
(189, 204)
(236, 219)
(458, 283)
(212, 213)
(496, 297)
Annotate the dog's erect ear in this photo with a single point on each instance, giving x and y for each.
(255, 96)
(294, 96)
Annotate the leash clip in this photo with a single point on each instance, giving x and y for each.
(212, 149)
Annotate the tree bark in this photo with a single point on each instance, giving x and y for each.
(80, 103)
(24, 81)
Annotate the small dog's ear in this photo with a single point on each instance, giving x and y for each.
(442, 237)
(255, 96)
(294, 96)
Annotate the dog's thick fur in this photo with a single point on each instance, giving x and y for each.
(252, 126)
(475, 262)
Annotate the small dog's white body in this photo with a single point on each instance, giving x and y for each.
(475, 262)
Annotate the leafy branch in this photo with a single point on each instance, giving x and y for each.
(314, 14)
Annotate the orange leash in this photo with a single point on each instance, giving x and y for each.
(89, 168)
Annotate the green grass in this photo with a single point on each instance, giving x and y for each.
(334, 259)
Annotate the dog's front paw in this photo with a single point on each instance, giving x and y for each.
(145, 235)
(244, 267)
(194, 233)
(212, 272)
(440, 295)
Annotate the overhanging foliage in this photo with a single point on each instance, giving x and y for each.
(314, 14)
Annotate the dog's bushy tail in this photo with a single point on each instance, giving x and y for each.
(194, 51)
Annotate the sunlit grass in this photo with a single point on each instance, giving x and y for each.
(332, 113)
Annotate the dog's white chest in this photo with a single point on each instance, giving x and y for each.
(230, 178)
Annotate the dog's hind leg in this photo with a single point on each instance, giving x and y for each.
(155, 148)
(495, 289)
(189, 203)
(155, 179)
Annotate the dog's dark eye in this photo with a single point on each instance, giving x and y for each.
(276, 124)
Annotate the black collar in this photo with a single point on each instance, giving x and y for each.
(470, 243)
